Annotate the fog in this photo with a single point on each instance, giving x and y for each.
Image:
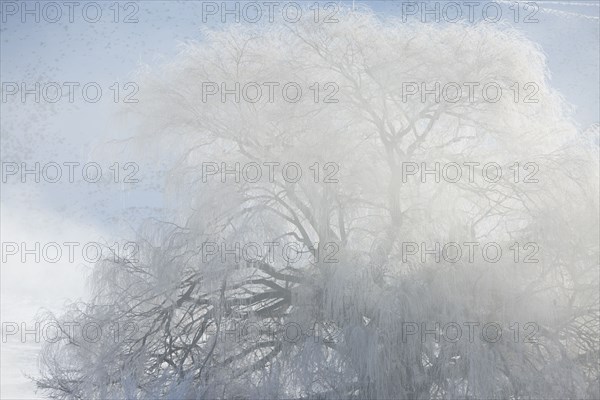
(382, 200)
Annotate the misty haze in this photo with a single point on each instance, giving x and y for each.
(300, 200)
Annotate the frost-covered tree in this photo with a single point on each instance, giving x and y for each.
(338, 321)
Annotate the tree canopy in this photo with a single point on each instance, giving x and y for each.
(345, 318)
